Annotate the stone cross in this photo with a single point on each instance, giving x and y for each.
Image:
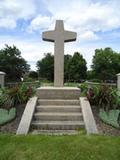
(59, 36)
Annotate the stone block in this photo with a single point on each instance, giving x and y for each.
(58, 93)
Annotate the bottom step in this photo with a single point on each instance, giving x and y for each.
(56, 132)
(58, 125)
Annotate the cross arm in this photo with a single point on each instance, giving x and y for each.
(69, 36)
(48, 36)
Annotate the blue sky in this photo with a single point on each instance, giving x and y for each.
(97, 23)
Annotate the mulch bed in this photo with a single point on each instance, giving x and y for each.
(103, 128)
(13, 125)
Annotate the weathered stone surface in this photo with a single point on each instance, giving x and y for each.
(58, 108)
(58, 93)
(58, 125)
(27, 117)
(59, 36)
(90, 124)
(55, 132)
(2, 79)
(56, 116)
(118, 81)
(58, 102)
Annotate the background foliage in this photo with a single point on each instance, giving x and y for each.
(74, 67)
(12, 63)
(106, 64)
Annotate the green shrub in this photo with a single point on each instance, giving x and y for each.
(110, 117)
(28, 79)
(5, 101)
(16, 95)
(84, 87)
(95, 80)
(104, 97)
(7, 116)
(20, 94)
(25, 92)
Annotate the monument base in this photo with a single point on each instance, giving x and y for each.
(58, 93)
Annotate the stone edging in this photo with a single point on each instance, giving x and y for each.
(26, 119)
(88, 117)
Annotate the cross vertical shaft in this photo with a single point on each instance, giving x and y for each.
(59, 63)
(59, 36)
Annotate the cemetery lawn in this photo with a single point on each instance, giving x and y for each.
(77, 147)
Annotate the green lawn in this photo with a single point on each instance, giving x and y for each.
(78, 147)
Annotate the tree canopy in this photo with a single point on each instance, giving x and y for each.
(106, 64)
(74, 67)
(77, 67)
(45, 67)
(33, 75)
(12, 63)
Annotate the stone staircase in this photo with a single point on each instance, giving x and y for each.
(57, 116)
(57, 111)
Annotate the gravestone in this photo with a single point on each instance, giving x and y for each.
(2, 79)
(59, 36)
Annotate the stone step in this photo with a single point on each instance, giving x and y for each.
(56, 116)
(58, 125)
(56, 108)
(55, 132)
(58, 102)
(58, 92)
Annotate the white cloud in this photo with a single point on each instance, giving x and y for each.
(7, 23)
(39, 23)
(82, 16)
(31, 50)
(88, 35)
(13, 10)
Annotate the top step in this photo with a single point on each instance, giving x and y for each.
(58, 93)
(58, 102)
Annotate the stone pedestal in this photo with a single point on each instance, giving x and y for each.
(58, 93)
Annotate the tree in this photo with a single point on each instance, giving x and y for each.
(77, 68)
(12, 63)
(67, 59)
(33, 75)
(74, 67)
(45, 67)
(106, 64)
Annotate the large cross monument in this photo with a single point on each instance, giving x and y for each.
(59, 36)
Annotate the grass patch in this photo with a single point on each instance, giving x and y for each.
(79, 147)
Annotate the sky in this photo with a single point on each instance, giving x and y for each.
(97, 23)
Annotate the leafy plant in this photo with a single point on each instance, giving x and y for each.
(25, 92)
(6, 116)
(20, 94)
(5, 101)
(84, 88)
(110, 117)
(104, 97)
(14, 95)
